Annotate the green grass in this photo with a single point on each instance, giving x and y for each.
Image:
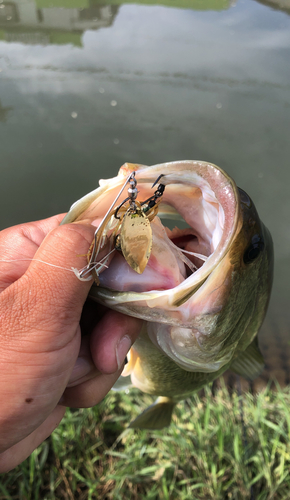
(206, 453)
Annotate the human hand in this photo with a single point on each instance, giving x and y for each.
(45, 363)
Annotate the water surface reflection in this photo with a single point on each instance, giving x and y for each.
(60, 22)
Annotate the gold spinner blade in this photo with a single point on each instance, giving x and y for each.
(136, 239)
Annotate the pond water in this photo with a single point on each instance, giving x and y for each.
(87, 85)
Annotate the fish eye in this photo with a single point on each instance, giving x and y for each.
(254, 250)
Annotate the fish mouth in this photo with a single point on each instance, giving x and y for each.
(206, 201)
(185, 283)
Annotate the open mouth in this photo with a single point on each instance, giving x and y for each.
(175, 254)
(190, 226)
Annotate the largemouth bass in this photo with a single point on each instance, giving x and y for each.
(202, 291)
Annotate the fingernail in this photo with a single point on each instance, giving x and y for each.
(82, 367)
(122, 349)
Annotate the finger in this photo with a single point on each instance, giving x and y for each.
(84, 368)
(111, 340)
(49, 295)
(91, 392)
(20, 451)
(105, 350)
(18, 245)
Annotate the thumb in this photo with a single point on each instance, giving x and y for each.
(49, 297)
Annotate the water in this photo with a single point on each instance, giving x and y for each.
(88, 85)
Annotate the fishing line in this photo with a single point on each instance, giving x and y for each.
(72, 269)
(80, 274)
(36, 260)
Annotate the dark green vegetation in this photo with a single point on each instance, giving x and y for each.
(206, 453)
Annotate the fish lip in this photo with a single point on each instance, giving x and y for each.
(227, 194)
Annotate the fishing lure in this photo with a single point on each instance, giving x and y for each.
(126, 228)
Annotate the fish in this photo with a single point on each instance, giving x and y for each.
(205, 284)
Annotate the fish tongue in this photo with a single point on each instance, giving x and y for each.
(164, 270)
(120, 276)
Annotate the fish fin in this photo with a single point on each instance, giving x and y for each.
(249, 363)
(156, 416)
